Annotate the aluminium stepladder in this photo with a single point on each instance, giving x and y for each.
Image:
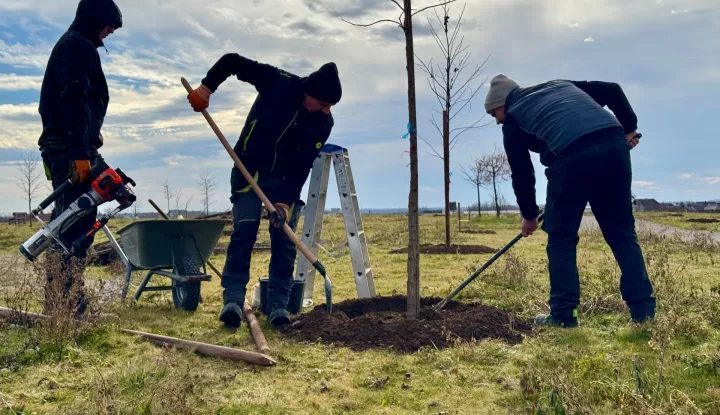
(312, 224)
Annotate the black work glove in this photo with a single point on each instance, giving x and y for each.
(280, 216)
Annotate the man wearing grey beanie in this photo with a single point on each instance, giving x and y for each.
(586, 152)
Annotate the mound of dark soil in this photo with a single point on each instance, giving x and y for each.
(480, 231)
(380, 323)
(451, 249)
(703, 220)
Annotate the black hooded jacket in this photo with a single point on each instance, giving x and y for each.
(280, 137)
(74, 95)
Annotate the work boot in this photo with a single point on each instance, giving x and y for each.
(278, 315)
(642, 314)
(231, 315)
(549, 320)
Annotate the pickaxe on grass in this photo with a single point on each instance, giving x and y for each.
(271, 209)
(497, 255)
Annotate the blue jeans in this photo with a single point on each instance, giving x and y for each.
(600, 174)
(246, 217)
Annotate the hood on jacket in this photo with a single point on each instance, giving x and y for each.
(93, 15)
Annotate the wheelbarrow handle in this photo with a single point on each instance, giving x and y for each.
(286, 228)
(497, 255)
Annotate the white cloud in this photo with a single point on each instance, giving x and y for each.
(24, 56)
(176, 159)
(199, 29)
(13, 82)
(642, 183)
(713, 180)
(678, 11)
(686, 176)
(589, 39)
(573, 24)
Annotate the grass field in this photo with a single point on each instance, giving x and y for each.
(605, 366)
(692, 221)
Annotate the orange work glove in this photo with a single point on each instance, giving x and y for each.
(279, 217)
(200, 98)
(81, 171)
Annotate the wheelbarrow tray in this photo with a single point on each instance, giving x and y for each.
(152, 244)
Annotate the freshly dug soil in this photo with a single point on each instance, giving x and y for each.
(452, 249)
(480, 231)
(380, 323)
(703, 220)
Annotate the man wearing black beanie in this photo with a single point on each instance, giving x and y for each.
(287, 126)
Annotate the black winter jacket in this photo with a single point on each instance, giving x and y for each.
(74, 94)
(556, 119)
(280, 137)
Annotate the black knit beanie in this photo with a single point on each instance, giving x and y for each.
(324, 84)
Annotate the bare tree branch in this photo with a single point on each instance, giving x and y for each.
(431, 147)
(432, 7)
(398, 4)
(373, 23)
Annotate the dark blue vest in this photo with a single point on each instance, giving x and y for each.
(558, 113)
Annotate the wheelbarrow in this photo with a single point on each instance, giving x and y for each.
(176, 249)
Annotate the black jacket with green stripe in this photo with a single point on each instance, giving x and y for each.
(280, 137)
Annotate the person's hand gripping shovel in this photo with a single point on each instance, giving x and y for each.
(270, 207)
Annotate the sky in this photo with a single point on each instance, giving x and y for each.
(663, 54)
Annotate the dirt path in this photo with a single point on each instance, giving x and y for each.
(589, 222)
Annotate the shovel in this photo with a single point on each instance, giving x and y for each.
(497, 255)
(305, 251)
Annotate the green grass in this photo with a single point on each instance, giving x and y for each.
(604, 366)
(681, 220)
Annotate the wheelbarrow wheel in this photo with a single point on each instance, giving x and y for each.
(186, 295)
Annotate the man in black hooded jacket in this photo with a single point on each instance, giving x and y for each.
(73, 101)
(284, 132)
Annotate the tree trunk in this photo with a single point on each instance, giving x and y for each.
(446, 162)
(413, 263)
(478, 192)
(497, 204)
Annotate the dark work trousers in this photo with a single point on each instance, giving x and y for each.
(58, 169)
(246, 217)
(600, 174)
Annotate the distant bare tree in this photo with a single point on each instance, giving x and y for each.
(452, 92)
(187, 203)
(404, 22)
(168, 194)
(30, 178)
(494, 168)
(181, 206)
(207, 188)
(474, 176)
(136, 207)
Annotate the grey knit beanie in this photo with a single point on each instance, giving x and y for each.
(500, 87)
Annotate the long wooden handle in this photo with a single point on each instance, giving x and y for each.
(288, 231)
(260, 342)
(203, 348)
(207, 349)
(160, 211)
